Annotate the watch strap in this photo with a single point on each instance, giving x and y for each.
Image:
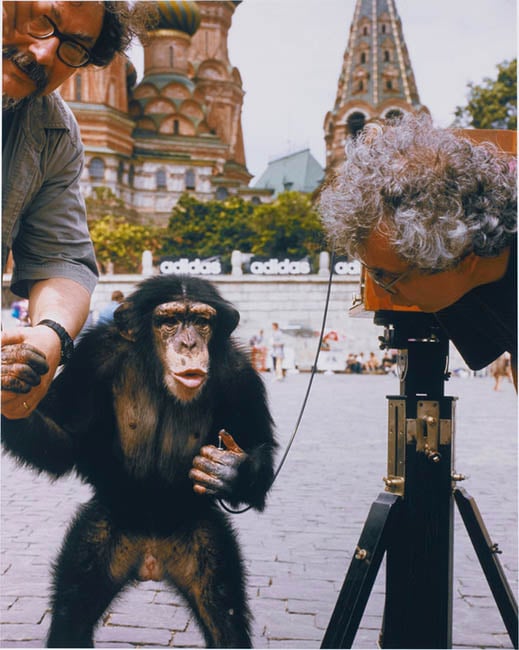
(67, 345)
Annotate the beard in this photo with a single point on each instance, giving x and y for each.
(27, 64)
(10, 103)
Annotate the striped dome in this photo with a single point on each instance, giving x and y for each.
(181, 15)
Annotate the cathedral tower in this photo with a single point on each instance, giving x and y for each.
(179, 129)
(187, 110)
(376, 79)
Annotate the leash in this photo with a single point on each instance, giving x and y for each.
(305, 399)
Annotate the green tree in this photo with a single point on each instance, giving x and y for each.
(117, 235)
(122, 243)
(289, 226)
(492, 104)
(209, 228)
(103, 201)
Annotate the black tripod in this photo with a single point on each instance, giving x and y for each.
(412, 521)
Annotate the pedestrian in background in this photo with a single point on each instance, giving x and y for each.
(258, 351)
(106, 315)
(277, 351)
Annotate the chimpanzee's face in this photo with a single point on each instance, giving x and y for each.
(182, 331)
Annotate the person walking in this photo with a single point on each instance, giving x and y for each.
(277, 346)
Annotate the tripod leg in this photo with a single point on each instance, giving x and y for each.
(489, 561)
(361, 574)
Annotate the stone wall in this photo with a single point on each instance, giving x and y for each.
(295, 302)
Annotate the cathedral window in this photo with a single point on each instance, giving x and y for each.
(190, 179)
(131, 175)
(96, 169)
(176, 129)
(389, 84)
(386, 56)
(393, 115)
(160, 179)
(365, 31)
(361, 86)
(77, 93)
(112, 93)
(383, 29)
(355, 123)
(363, 57)
(221, 193)
(120, 172)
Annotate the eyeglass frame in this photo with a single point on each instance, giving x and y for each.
(63, 38)
(387, 286)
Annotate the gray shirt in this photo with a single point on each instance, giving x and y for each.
(43, 212)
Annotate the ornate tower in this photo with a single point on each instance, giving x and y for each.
(219, 81)
(187, 110)
(376, 79)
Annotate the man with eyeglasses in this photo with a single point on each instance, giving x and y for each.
(43, 214)
(432, 217)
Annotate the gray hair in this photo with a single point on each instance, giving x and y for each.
(436, 195)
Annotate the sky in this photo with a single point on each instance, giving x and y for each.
(289, 54)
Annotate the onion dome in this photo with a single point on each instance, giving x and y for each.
(181, 15)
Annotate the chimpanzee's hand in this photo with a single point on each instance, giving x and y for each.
(30, 356)
(215, 470)
(22, 366)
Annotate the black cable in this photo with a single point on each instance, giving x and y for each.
(310, 381)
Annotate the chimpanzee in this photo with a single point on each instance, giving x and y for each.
(137, 413)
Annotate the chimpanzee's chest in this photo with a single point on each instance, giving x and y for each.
(159, 440)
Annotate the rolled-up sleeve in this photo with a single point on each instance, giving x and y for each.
(52, 238)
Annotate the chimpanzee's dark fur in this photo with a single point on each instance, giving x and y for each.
(143, 499)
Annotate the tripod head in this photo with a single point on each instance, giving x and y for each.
(423, 350)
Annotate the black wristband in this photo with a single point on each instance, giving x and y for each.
(67, 345)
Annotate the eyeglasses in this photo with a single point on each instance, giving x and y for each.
(384, 279)
(70, 52)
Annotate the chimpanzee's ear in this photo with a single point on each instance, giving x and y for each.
(122, 319)
(227, 319)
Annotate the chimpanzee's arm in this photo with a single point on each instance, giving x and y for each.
(40, 442)
(48, 438)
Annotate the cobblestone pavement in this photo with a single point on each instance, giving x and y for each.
(299, 549)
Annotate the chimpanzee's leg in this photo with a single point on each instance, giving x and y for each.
(206, 566)
(84, 583)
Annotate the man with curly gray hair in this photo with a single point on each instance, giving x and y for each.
(432, 217)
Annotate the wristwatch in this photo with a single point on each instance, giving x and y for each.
(67, 345)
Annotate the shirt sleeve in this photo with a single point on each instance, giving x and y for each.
(483, 323)
(53, 238)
